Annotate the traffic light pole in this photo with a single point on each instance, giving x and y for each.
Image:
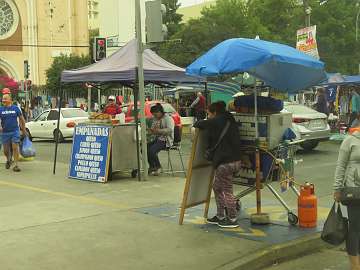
(140, 50)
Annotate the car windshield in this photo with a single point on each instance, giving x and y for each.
(74, 113)
(299, 109)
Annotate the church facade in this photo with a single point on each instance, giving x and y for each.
(38, 31)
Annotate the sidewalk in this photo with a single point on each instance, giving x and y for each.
(51, 222)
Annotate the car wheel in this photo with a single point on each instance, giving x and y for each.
(58, 135)
(309, 145)
(29, 134)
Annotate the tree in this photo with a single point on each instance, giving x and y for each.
(7, 82)
(172, 19)
(61, 63)
(335, 22)
(226, 19)
(274, 20)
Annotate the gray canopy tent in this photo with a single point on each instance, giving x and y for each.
(122, 68)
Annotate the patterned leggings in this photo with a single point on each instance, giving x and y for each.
(223, 189)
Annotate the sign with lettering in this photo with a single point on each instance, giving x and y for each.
(90, 155)
(306, 41)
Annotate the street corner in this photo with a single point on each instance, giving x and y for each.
(277, 232)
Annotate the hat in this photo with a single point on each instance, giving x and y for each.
(6, 91)
(111, 98)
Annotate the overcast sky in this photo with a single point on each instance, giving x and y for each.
(191, 2)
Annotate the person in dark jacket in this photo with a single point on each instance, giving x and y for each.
(226, 162)
(321, 104)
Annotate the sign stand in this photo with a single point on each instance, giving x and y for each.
(90, 154)
(199, 178)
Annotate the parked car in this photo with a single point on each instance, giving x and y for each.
(128, 110)
(309, 125)
(45, 125)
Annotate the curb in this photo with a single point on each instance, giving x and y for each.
(277, 253)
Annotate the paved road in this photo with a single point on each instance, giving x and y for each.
(331, 259)
(318, 166)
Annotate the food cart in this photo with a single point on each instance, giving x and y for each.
(121, 68)
(278, 66)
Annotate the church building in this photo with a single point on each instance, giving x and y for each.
(39, 30)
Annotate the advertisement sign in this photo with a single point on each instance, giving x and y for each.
(90, 155)
(306, 41)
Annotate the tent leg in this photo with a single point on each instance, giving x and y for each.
(60, 93)
(206, 94)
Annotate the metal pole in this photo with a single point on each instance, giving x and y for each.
(99, 97)
(206, 94)
(307, 9)
(89, 99)
(136, 116)
(140, 59)
(257, 154)
(57, 128)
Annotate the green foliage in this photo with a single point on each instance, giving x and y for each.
(60, 64)
(172, 19)
(274, 20)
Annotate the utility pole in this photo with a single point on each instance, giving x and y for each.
(141, 87)
(307, 9)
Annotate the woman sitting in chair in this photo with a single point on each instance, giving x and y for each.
(162, 136)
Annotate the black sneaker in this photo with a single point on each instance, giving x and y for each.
(16, 169)
(214, 220)
(8, 165)
(228, 223)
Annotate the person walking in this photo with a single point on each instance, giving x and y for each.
(162, 134)
(226, 161)
(12, 121)
(199, 105)
(348, 175)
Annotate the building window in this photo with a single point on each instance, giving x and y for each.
(9, 18)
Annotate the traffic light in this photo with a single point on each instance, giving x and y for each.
(26, 69)
(156, 31)
(99, 49)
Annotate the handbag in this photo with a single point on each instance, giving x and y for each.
(336, 227)
(350, 196)
(210, 152)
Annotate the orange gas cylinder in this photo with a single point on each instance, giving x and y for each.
(307, 206)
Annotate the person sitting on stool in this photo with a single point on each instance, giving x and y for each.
(112, 108)
(162, 131)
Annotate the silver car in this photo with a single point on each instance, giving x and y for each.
(309, 125)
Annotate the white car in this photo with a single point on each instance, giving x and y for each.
(309, 125)
(45, 125)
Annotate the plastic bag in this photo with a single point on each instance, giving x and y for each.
(27, 150)
(336, 227)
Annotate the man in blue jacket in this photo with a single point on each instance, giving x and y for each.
(12, 121)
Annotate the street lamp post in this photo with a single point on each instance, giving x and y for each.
(308, 10)
(141, 87)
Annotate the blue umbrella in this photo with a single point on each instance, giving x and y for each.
(280, 66)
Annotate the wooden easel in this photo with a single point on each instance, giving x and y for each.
(199, 178)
